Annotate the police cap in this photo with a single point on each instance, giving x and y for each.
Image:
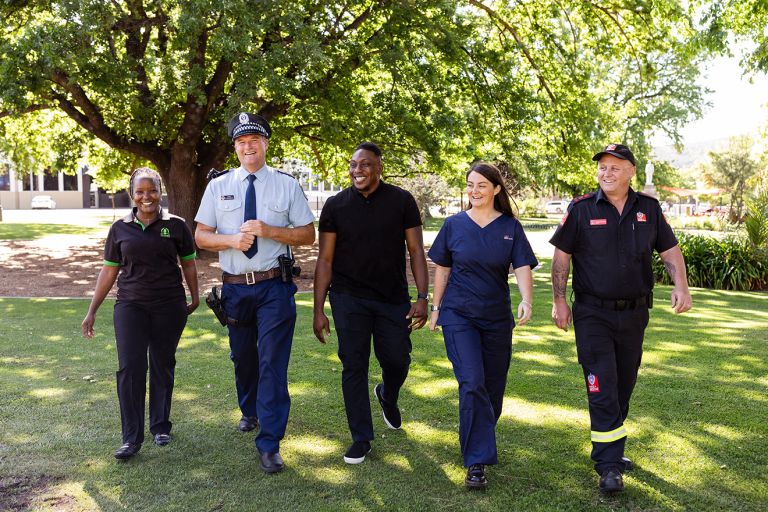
(246, 123)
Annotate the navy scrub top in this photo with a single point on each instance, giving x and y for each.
(480, 259)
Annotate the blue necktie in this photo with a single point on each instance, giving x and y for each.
(250, 212)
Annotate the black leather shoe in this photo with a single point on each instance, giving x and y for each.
(162, 439)
(127, 451)
(271, 462)
(611, 481)
(476, 477)
(248, 423)
(390, 413)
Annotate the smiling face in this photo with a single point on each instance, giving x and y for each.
(146, 195)
(614, 174)
(251, 150)
(365, 171)
(480, 191)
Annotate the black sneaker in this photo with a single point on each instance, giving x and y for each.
(357, 452)
(476, 477)
(611, 481)
(390, 413)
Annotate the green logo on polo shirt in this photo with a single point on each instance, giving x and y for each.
(165, 233)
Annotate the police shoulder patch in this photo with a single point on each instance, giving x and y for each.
(577, 200)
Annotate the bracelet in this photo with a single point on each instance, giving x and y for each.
(526, 302)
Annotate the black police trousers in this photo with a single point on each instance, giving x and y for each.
(356, 321)
(142, 330)
(609, 344)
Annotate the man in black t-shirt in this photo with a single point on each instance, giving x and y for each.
(610, 235)
(364, 231)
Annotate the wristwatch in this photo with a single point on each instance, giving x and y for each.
(435, 307)
(421, 296)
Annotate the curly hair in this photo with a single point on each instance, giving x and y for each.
(145, 172)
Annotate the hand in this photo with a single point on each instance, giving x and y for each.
(321, 326)
(417, 314)
(681, 301)
(242, 241)
(256, 228)
(87, 325)
(524, 312)
(192, 306)
(433, 320)
(561, 314)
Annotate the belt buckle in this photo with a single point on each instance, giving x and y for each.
(250, 278)
(621, 304)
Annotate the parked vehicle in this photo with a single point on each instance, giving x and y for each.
(43, 202)
(556, 206)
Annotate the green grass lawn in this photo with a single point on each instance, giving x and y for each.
(33, 231)
(697, 424)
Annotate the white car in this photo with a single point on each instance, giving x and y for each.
(46, 202)
(556, 206)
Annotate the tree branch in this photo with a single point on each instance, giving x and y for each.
(26, 110)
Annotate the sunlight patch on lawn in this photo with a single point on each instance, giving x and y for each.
(35, 373)
(305, 388)
(185, 396)
(56, 337)
(48, 392)
(67, 495)
(314, 446)
(540, 357)
(434, 388)
(535, 413)
(399, 461)
(430, 435)
(723, 431)
(672, 346)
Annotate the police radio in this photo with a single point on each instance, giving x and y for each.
(287, 268)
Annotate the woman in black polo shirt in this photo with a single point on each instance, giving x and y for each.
(145, 249)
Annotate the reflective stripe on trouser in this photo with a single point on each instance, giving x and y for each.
(609, 346)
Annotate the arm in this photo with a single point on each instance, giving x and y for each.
(104, 283)
(438, 290)
(322, 282)
(302, 235)
(675, 265)
(524, 278)
(561, 268)
(415, 243)
(189, 268)
(207, 238)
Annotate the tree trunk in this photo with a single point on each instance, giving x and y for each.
(184, 183)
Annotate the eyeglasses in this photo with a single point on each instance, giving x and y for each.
(365, 166)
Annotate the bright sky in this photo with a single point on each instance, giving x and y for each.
(738, 106)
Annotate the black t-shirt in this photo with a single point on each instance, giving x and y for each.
(148, 258)
(369, 258)
(611, 254)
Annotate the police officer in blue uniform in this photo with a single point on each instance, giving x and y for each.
(473, 253)
(610, 236)
(250, 215)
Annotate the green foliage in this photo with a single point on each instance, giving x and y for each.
(746, 20)
(731, 263)
(756, 221)
(731, 169)
(428, 190)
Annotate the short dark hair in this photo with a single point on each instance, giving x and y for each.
(370, 146)
(145, 172)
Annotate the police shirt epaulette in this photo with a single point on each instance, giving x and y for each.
(213, 174)
(579, 199)
(648, 196)
(289, 175)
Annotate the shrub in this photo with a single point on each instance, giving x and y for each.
(732, 263)
(756, 221)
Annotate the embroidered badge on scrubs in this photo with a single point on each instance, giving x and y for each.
(598, 222)
(641, 217)
(165, 233)
(593, 384)
(508, 237)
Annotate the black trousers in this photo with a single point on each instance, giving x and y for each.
(609, 344)
(142, 330)
(356, 321)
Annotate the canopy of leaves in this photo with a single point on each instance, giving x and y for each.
(540, 85)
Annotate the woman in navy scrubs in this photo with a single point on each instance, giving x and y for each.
(473, 252)
(145, 248)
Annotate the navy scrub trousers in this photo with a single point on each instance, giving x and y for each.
(260, 349)
(356, 320)
(140, 329)
(609, 345)
(480, 353)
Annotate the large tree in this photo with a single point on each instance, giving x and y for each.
(537, 84)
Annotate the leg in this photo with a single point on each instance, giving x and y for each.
(497, 354)
(595, 343)
(392, 346)
(477, 420)
(167, 325)
(354, 325)
(238, 301)
(629, 352)
(132, 331)
(276, 319)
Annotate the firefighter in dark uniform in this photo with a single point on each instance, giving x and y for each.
(246, 215)
(610, 236)
(143, 253)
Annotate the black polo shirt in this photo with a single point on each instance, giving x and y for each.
(611, 254)
(148, 258)
(369, 258)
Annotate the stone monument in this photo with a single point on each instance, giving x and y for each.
(649, 188)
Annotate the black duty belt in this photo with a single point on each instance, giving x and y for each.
(614, 304)
(250, 277)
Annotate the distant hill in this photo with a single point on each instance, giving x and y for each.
(692, 153)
